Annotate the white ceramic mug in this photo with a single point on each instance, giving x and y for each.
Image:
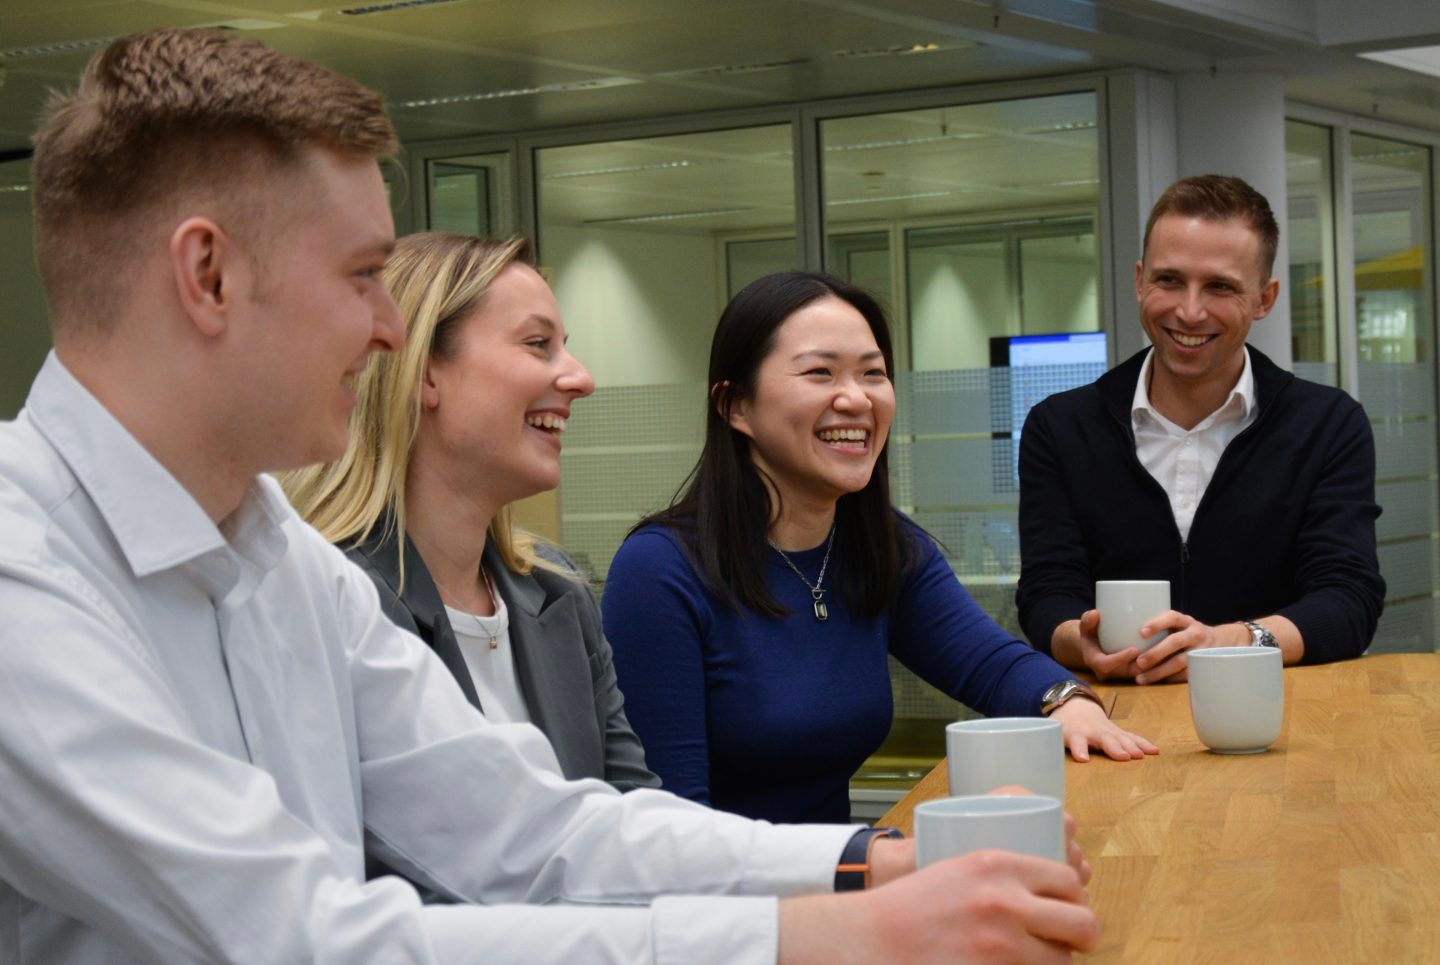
(1124, 607)
(992, 752)
(952, 826)
(1237, 697)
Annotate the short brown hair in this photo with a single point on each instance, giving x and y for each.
(1220, 197)
(169, 115)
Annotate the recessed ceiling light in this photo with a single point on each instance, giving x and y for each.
(678, 216)
(621, 169)
(1423, 60)
(54, 50)
(893, 197)
(491, 95)
(902, 50)
(905, 141)
(728, 69)
(390, 7)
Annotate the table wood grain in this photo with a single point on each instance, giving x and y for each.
(1324, 849)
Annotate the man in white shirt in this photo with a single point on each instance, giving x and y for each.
(1201, 462)
(206, 718)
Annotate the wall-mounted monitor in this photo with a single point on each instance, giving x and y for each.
(1024, 370)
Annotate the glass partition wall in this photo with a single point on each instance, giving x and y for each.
(1361, 229)
(971, 222)
(1391, 236)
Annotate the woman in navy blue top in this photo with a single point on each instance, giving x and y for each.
(752, 619)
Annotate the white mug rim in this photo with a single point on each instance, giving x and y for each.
(1002, 725)
(986, 805)
(1132, 582)
(1232, 653)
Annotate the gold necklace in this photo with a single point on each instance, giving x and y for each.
(454, 601)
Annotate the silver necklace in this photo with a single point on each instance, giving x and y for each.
(817, 589)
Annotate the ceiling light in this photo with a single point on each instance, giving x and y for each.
(55, 49)
(894, 197)
(901, 50)
(491, 95)
(680, 216)
(1059, 128)
(1423, 60)
(728, 69)
(622, 169)
(390, 7)
(13, 188)
(905, 141)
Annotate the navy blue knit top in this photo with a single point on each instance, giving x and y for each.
(770, 717)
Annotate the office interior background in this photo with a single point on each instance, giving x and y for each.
(984, 166)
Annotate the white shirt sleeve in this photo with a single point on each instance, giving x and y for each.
(122, 833)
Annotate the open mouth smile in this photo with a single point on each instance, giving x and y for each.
(547, 422)
(853, 439)
(1189, 341)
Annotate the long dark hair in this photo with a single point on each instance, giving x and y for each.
(724, 509)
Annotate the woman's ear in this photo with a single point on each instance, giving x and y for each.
(429, 390)
(735, 412)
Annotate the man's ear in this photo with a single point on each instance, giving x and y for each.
(1268, 293)
(203, 261)
(1140, 280)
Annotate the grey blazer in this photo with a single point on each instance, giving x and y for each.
(562, 659)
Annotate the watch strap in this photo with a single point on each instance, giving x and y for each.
(854, 864)
(1064, 692)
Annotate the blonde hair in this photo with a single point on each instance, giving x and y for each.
(437, 280)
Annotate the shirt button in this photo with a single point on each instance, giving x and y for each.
(1187, 440)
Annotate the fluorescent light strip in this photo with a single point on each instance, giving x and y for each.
(491, 95)
(55, 49)
(905, 142)
(894, 197)
(728, 69)
(682, 216)
(901, 50)
(623, 169)
(14, 188)
(390, 7)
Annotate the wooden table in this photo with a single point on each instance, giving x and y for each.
(1325, 849)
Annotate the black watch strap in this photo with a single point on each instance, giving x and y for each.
(854, 862)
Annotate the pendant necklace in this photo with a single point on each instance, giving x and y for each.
(817, 589)
(494, 604)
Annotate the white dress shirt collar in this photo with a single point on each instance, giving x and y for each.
(156, 522)
(1238, 406)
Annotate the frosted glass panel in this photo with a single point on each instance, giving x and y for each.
(1395, 330)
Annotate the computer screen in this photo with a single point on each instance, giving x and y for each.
(1035, 366)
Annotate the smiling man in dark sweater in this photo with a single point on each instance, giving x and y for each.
(1201, 462)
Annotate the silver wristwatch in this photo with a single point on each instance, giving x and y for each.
(1055, 697)
(1259, 636)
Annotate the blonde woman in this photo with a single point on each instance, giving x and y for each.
(463, 420)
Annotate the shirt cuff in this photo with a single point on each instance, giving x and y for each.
(795, 859)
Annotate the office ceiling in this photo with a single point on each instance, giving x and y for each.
(458, 68)
(453, 68)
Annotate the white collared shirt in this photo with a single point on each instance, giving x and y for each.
(199, 730)
(1183, 461)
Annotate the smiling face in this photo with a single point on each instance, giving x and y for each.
(493, 412)
(1200, 286)
(314, 312)
(822, 405)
